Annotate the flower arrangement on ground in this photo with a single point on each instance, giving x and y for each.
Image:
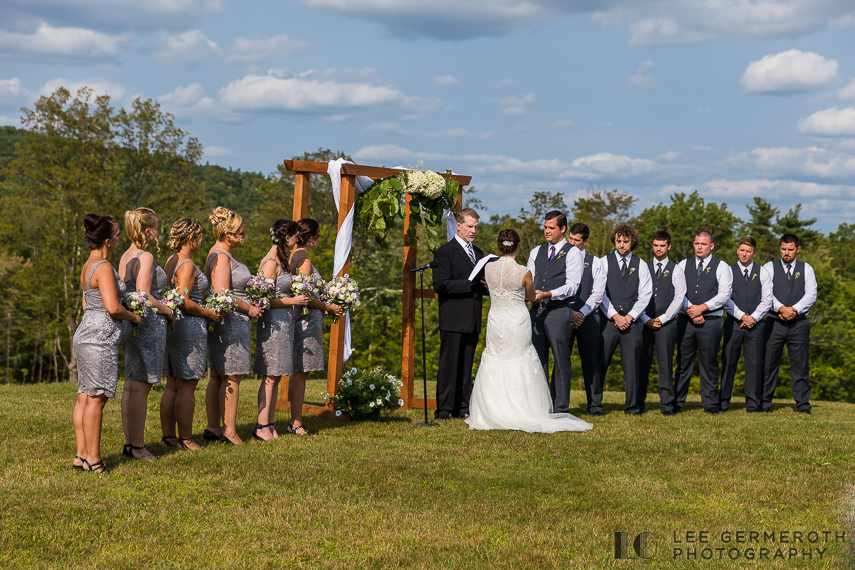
(342, 291)
(261, 290)
(430, 196)
(363, 395)
(308, 285)
(138, 303)
(223, 303)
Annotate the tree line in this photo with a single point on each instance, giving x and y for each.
(78, 154)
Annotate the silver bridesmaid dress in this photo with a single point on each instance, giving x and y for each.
(144, 352)
(187, 345)
(228, 344)
(309, 336)
(274, 332)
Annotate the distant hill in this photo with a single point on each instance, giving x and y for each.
(8, 137)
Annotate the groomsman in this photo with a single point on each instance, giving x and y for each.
(556, 270)
(660, 325)
(793, 294)
(586, 319)
(750, 299)
(699, 327)
(628, 290)
(459, 317)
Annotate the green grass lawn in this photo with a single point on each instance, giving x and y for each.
(391, 495)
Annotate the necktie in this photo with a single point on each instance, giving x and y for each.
(745, 271)
(623, 266)
(700, 267)
(789, 275)
(470, 252)
(659, 270)
(551, 252)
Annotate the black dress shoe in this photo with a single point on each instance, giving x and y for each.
(668, 413)
(597, 413)
(803, 412)
(711, 411)
(442, 419)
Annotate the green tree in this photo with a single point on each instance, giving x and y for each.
(760, 226)
(601, 210)
(792, 223)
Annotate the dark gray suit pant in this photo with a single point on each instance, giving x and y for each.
(630, 342)
(665, 341)
(552, 328)
(589, 340)
(454, 374)
(750, 343)
(704, 341)
(796, 336)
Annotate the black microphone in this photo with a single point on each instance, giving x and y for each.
(431, 265)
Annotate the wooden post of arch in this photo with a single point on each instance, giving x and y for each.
(303, 170)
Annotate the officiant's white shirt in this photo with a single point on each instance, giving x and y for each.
(572, 271)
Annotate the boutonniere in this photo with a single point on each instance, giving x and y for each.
(586, 265)
(753, 277)
(708, 270)
(665, 273)
(560, 255)
(631, 270)
(797, 274)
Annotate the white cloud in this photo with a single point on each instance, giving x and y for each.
(788, 72)
(99, 87)
(613, 164)
(669, 156)
(830, 122)
(514, 105)
(642, 78)
(770, 189)
(847, 93)
(12, 91)
(563, 125)
(10, 121)
(62, 44)
(444, 80)
(781, 162)
(192, 45)
(245, 50)
(390, 127)
(214, 151)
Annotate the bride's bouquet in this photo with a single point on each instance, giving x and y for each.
(308, 285)
(175, 299)
(223, 303)
(342, 291)
(261, 289)
(138, 303)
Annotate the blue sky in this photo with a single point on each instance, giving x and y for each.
(734, 98)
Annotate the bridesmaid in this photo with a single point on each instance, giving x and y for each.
(96, 341)
(143, 352)
(308, 329)
(187, 345)
(274, 340)
(228, 343)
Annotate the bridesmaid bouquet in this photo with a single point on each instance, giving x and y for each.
(138, 303)
(342, 291)
(175, 299)
(261, 289)
(308, 285)
(223, 303)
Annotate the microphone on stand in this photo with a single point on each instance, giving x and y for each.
(431, 265)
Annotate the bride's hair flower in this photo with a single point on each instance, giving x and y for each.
(507, 243)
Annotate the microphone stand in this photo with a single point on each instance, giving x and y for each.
(426, 423)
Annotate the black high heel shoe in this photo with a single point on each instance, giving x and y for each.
(208, 435)
(97, 467)
(78, 467)
(165, 443)
(258, 427)
(128, 451)
(182, 443)
(226, 440)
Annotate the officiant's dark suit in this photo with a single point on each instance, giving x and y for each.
(459, 317)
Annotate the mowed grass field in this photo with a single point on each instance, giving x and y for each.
(392, 495)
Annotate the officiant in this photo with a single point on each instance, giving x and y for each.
(556, 271)
(459, 317)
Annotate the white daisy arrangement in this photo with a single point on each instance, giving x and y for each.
(364, 394)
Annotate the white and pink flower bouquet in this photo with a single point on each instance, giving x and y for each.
(308, 285)
(175, 299)
(138, 303)
(342, 291)
(224, 302)
(261, 290)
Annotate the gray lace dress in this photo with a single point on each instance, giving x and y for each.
(274, 332)
(96, 343)
(187, 345)
(308, 335)
(144, 352)
(228, 344)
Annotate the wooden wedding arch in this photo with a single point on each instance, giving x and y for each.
(302, 177)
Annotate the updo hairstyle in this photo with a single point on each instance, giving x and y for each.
(507, 241)
(225, 222)
(137, 222)
(98, 229)
(183, 231)
(309, 229)
(279, 233)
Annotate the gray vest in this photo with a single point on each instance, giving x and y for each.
(700, 289)
(550, 275)
(622, 289)
(586, 287)
(663, 289)
(788, 292)
(746, 294)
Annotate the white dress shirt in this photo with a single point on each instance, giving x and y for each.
(572, 270)
(465, 245)
(599, 286)
(806, 302)
(723, 275)
(678, 278)
(765, 295)
(645, 286)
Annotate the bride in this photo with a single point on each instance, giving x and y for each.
(510, 390)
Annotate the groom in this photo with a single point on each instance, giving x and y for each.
(556, 271)
(459, 317)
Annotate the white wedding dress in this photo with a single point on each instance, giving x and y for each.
(510, 390)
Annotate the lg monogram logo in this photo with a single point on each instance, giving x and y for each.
(642, 545)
